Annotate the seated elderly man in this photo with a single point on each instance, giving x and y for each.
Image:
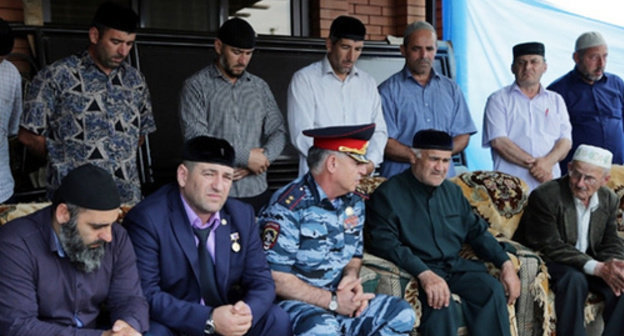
(419, 221)
(312, 232)
(61, 264)
(572, 222)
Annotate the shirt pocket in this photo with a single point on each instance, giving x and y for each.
(313, 243)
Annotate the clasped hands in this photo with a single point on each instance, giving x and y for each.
(540, 168)
(352, 300)
(257, 163)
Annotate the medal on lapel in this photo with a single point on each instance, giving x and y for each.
(235, 244)
(352, 220)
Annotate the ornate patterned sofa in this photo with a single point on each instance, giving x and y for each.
(500, 199)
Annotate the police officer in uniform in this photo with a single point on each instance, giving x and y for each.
(312, 235)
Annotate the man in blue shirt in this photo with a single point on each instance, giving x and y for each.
(10, 109)
(418, 98)
(595, 99)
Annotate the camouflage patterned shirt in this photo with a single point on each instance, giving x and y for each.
(306, 234)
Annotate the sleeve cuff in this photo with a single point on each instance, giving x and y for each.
(280, 267)
(134, 323)
(590, 267)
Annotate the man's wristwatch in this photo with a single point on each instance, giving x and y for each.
(333, 304)
(209, 328)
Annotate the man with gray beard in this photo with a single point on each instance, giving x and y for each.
(62, 264)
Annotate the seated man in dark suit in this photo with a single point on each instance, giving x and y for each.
(572, 222)
(199, 253)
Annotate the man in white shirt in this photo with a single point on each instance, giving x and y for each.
(572, 222)
(527, 126)
(333, 92)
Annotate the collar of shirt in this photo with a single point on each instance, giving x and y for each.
(215, 72)
(583, 215)
(59, 247)
(418, 186)
(328, 70)
(593, 203)
(576, 74)
(321, 197)
(88, 63)
(407, 75)
(196, 221)
(516, 89)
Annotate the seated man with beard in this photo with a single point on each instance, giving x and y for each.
(60, 265)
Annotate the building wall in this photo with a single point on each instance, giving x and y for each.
(381, 17)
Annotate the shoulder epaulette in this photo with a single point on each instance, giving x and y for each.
(292, 196)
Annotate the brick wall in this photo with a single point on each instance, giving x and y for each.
(381, 17)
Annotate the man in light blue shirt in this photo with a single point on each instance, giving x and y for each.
(418, 98)
(333, 92)
(527, 126)
(10, 109)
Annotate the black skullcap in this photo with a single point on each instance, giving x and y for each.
(237, 33)
(6, 38)
(115, 16)
(529, 48)
(432, 139)
(88, 187)
(347, 27)
(208, 149)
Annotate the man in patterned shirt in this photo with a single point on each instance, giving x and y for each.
(312, 233)
(225, 101)
(92, 107)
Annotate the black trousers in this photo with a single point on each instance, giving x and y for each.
(484, 307)
(571, 287)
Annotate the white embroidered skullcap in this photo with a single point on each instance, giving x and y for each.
(593, 155)
(588, 40)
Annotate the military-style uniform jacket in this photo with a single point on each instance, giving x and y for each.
(306, 234)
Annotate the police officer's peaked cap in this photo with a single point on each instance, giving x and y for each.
(208, 149)
(432, 139)
(351, 140)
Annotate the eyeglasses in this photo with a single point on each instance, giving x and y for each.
(589, 180)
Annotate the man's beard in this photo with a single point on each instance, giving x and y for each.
(86, 258)
(229, 69)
